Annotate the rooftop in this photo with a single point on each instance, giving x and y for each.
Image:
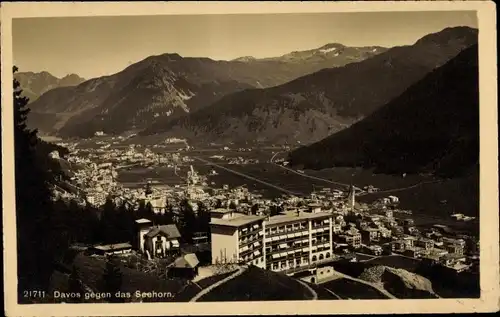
(116, 246)
(221, 210)
(170, 231)
(315, 205)
(189, 260)
(290, 216)
(237, 220)
(143, 220)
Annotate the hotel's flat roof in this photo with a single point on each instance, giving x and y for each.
(292, 216)
(237, 220)
(221, 210)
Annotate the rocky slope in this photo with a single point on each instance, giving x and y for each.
(399, 282)
(314, 106)
(167, 86)
(432, 127)
(36, 84)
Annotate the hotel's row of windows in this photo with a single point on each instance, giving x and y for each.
(250, 238)
(253, 258)
(289, 240)
(321, 235)
(251, 247)
(296, 226)
(283, 256)
(288, 228)
(320, 239)
(320, 223)
(323, 248)
(282, 264)
(287, 246)
(291, 263)
(257, 261)
(255, 227)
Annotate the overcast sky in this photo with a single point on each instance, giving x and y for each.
(96, 46)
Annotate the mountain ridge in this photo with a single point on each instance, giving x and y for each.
(322, 103)
(184, 84)
(34, 84)
(433, 127)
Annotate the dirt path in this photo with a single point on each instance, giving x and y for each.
(313, 292)
(329, 291)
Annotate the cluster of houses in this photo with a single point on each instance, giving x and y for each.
(300, 237)
(288, 234)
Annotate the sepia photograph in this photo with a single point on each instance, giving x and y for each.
(197, 155)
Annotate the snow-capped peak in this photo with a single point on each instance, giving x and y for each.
(327, 50)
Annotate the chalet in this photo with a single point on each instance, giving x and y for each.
(184, 267)
(162, 241)
(158, 241)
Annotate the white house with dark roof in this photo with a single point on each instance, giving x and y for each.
(158, 241)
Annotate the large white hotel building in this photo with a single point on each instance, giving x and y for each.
(285, 242)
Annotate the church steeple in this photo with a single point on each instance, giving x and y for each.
(148, 191)
(351, 197)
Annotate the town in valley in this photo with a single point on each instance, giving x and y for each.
(264, 223)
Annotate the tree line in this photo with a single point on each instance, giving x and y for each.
(115, 223)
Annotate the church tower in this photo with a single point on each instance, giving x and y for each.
(148, 192)
(351, 198)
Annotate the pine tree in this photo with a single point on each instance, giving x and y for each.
(254, 209)
(203, 218)
(112, 279)
(38, 243)
(141, 210)
(108, 221)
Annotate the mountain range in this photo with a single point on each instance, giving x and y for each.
(317, 105)
(36, 84)
(433, 127)
(167, 86)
